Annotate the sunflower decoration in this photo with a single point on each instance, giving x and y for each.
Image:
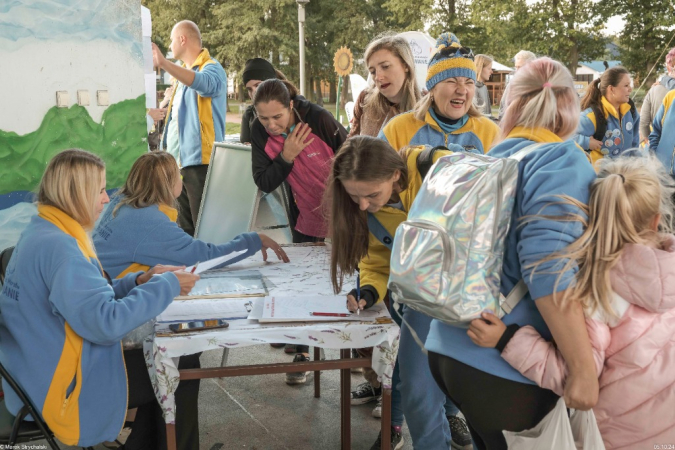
(343, 61)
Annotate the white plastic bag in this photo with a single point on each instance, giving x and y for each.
(560, 432)
(585, 431)
(553, 432)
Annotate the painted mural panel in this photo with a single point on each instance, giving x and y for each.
(87, 54)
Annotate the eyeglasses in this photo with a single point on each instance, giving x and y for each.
(463, 52)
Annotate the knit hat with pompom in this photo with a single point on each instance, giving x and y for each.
(450, 60)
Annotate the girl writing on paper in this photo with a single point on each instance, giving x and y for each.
(370, 177)
(62, 318)
(626, 260)
(139, 227)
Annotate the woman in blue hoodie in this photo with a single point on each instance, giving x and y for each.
(541, 109)
(609, 123)
(139, 227)
(62, 319)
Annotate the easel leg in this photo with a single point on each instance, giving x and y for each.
(317, 374)
(345, 404)
(386, 419)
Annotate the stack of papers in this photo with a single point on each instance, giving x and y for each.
(308, 308)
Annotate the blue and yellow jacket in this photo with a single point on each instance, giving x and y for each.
(623, 131)
(475, 136)
(374, 268)
(134, 239)
(61, 327)
(663, 144)
(556, 168)
(201, 117)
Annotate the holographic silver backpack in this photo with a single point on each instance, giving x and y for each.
(446, 259)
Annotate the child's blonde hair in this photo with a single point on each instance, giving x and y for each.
(624, 200)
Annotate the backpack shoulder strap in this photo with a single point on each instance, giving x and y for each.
(379, 231)
(426, 159)
(515, 296)
(600, 123)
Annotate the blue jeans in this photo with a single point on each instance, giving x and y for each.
(425, 406)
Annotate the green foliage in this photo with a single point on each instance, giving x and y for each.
(117, 139)
(649, 27)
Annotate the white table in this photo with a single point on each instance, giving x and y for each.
(307, 273)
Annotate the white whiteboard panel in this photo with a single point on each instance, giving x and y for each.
(231, 203)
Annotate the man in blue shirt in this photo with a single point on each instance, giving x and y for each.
(195, 116)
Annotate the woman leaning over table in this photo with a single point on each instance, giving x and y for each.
(541, 109)
(62, 318)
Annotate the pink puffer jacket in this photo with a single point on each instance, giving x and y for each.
(635, 353)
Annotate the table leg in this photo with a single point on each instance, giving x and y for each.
(317, 374)
(386, 419)
(170, 436)
(226, 354)
(345, 404)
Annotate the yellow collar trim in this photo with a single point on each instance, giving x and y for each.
(537, 134)
(171, 213)
(609, 109)
(203, 58)
(69, 226)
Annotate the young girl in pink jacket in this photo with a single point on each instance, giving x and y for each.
(626, 282)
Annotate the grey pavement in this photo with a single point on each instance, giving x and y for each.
(264, 413)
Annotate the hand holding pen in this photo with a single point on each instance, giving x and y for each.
(356, 303)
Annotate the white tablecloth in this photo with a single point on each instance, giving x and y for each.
(307, 273)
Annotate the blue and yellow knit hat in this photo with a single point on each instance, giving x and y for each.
(450, 60)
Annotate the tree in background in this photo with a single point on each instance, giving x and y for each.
(648, 29)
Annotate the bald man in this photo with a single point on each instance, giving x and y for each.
(195, 116)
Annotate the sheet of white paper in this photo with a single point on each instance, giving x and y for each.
(203, 266)
(258, 304)
(150, 90)
(298, 308)
(212, 308)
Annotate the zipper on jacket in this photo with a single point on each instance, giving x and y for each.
(64, 406)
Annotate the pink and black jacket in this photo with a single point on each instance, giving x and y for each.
(307, 175)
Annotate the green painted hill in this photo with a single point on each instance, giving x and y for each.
(119, 139)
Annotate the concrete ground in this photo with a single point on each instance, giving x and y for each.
(263, 413)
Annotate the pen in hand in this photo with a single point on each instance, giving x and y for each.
(358, 293)
(195, 267)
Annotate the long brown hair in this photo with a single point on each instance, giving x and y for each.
(400, 48)
(625, 198)
(150, 182)
(598, 88)
(361, 158)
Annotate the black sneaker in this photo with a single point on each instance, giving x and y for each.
(461, 437)
(297, 377)
(365, 393)
(396, 440)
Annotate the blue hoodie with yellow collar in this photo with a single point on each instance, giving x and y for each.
(660, 142)
(622, 133)
(557, 168)
(130, 239)
(61, 328)
(476, 135)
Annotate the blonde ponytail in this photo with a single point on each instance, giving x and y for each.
(624, 200)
